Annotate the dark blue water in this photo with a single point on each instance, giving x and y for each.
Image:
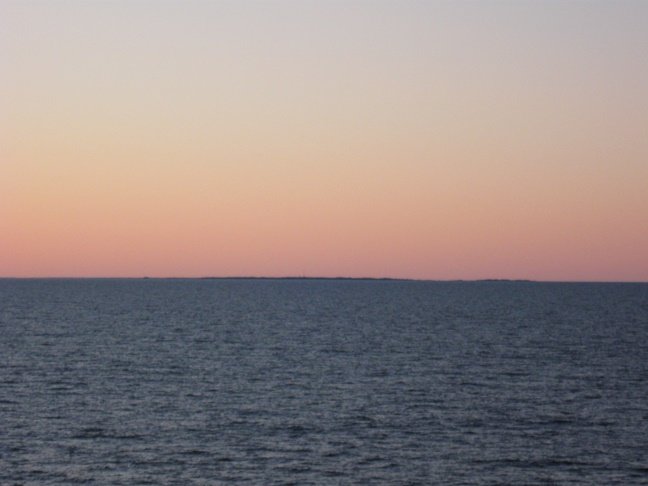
(322, 382)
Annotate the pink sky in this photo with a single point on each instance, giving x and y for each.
(432, 140)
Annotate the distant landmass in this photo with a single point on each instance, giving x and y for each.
(363, 278)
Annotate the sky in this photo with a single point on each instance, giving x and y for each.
(412, 139)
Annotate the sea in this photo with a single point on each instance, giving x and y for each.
(317, 381)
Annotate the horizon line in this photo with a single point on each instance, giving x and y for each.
(303, 277)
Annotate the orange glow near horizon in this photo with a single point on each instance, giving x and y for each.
(381, 140)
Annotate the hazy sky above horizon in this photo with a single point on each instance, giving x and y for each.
(420, 139)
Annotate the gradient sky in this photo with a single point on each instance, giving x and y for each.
(437, 140)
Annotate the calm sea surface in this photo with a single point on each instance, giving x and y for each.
(322, 382)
